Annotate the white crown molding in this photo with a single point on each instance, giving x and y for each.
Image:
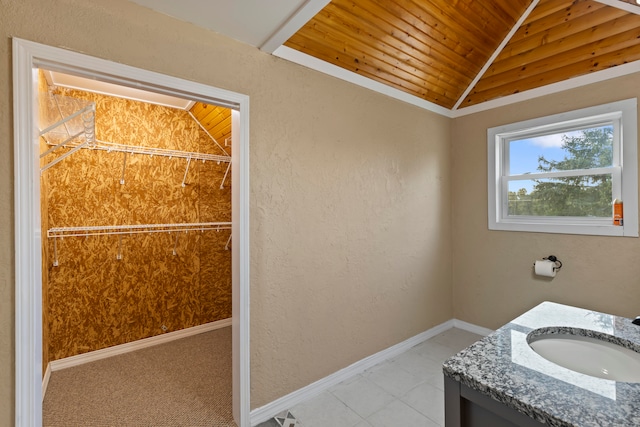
(104, 88)
(316, 64)
(576, 82)
(340, 73)
(300, 17)
(621, 5)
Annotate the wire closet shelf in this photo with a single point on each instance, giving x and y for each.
(62, 232)
(73, 126)
(127, 230)
(68, 122)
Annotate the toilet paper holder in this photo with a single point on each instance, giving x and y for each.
(555, 260)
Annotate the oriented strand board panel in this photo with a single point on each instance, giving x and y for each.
(96, 300)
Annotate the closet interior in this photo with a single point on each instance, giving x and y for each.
(136, 218)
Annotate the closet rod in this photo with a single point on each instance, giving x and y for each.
(151, 151)
(57, 160)
(135, 229)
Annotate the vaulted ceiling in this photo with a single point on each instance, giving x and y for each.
(444, 55)
(461, 53)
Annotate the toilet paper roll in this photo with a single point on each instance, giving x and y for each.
(545, 268)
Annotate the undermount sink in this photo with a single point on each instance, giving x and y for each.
(588, 355)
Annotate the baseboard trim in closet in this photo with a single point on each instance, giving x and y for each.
(92, 356)
(45, 379)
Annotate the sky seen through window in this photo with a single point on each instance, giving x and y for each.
(524, 154)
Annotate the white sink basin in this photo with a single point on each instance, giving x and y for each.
(590, 356)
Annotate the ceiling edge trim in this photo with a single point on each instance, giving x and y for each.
(300, 17)
(55, 78)
(621, 5)
(576, 82)
(309, 61)
(495, 54)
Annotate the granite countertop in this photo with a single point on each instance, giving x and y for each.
(504, 367)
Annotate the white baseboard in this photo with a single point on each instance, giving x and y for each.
(284, 403)
(92, 356)
(45, 380)
(470, 327)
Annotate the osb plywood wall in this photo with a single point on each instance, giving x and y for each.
(96, 300)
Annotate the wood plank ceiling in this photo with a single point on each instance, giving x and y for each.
(435, 49)
(216, 120)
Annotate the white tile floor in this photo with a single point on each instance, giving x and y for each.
(405, 391)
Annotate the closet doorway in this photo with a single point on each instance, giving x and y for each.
(30, 59)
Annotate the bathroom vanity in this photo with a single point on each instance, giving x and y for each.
(500, 381)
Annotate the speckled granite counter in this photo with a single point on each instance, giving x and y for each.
(504, 367)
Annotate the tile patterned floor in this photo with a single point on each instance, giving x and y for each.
(405, 391)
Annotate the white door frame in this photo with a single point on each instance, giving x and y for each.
(27, 58)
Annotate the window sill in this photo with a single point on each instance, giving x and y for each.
(565, 228)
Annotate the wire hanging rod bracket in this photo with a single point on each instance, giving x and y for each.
(184, 180)
(55, 252)
(175, 245)
(124, 166)
(119, 255)
(224, 178)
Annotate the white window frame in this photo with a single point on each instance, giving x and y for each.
(623, 114)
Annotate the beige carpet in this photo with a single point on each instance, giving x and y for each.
(186, 382)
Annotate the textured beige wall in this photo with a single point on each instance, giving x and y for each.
(492, 279)
(350, 206)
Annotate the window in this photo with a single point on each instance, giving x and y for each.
(561, 173)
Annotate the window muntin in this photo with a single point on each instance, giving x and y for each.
(555, 174)
(561, 173)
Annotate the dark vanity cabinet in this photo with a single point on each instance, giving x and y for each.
(465, 407)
